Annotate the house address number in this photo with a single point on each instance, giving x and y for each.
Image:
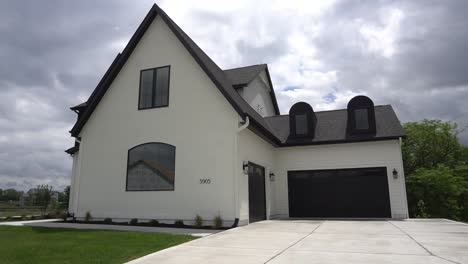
(205, 181)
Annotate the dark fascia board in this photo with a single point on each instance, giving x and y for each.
(177, 31)
(112, 72)
(120, 61)
(72, 150)
(79, 107)
(330, 142)
(272, 92)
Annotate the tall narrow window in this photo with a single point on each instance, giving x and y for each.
(151, 167)
(154, 88)
(302, 121)
(301, 124)
(362, 118)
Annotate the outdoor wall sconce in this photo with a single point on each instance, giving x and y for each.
(245, 167)
(395, 174)
(272, 177)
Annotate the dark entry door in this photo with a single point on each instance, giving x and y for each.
(339, 193)
(257, 202)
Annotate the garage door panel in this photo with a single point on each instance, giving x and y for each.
(339, 193)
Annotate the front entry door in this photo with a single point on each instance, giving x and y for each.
(257, 202)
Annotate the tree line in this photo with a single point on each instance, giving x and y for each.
(42, 196)
(436, 168)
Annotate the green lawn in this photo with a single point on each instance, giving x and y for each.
(26, 244)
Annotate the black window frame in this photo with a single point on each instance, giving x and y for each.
(153, 97)
(361, 102)
(302, 108)
(150, 190)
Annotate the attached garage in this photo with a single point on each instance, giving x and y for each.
(361, 192)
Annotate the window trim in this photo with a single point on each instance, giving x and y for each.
(302, 108)
(154, 87)
(357, 103)
(149, 190)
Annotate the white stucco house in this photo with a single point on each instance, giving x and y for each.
(168, 135)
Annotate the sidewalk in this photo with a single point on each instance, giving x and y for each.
(20, 223)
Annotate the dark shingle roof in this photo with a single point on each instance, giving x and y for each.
(331, 127)
(273, 129)
(211, 69)
(244, 75)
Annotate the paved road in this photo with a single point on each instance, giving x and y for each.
(411, 241)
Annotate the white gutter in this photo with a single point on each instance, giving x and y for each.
(245, 125)
(237, 166)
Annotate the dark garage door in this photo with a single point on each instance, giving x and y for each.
(339, 193)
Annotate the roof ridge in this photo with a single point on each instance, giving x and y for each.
(333, 110)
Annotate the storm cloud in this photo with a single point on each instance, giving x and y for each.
(410, 54)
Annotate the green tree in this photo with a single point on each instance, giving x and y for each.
(42, 197)
(437, 192)
(64, 198)
(429, 143)
(10, 195)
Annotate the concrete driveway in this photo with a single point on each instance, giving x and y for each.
(303, 241)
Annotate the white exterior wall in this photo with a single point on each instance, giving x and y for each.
(257, 94)
(202, 126)
(341, 156)
(253, 149)
(72, 204)
(198, 122)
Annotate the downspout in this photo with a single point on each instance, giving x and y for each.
(237, 172)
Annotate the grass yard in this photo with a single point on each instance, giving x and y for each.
(27, 244)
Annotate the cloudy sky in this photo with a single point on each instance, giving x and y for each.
(411, 54)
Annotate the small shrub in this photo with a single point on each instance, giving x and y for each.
(218, 222)
(107, 221)
(153, 223)
(179, 223)
(421, 210)
(23, 217)
(64, 216)
(134, 221)
(88, 217)
(198, 221)
(8, 218)
(33, 217)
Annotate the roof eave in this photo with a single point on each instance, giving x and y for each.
(119, 61)
(272, 92)
(330, 142)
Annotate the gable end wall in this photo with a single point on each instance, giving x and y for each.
(198, 122)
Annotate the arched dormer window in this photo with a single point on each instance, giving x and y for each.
(302, 120)
(361, 116)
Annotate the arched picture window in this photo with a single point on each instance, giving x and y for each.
(361, 115)
(151, 167)
(302, 120)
